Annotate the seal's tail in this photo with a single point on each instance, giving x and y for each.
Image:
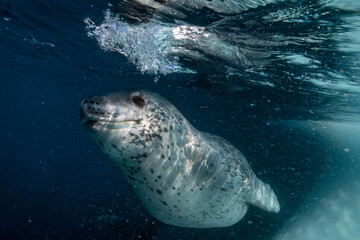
(263, 197)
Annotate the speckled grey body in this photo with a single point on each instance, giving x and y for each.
(184, 177)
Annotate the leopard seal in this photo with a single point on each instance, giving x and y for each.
(184, 177)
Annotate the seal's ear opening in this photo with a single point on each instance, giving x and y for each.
(138, 101)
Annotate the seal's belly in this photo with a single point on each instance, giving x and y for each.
(188, 205)
(192, 189)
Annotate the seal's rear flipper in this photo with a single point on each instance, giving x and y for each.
(263, 196)
(144, 228)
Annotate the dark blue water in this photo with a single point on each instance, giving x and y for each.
(55, 183)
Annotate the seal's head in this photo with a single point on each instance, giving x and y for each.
(129, 124)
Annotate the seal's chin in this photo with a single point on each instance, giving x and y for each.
(89, 123)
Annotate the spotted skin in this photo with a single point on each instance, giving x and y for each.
(183, 177)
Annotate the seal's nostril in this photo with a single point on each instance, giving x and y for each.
(84, 102)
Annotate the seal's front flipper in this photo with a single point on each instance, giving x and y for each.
(144, 228)
(263, 196)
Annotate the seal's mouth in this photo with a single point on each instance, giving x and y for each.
(112, 124)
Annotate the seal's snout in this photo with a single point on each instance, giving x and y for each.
(93, 101)
(84, 109)
(83, 112)
(91, 110)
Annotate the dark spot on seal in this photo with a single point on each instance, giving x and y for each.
(160, 1)
(163, 202)
(114, 146)
(159, 177)
(101, 144)
(152, 171)
(159, 191)
(143, 155)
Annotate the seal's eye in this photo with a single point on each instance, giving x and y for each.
(138, 101)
